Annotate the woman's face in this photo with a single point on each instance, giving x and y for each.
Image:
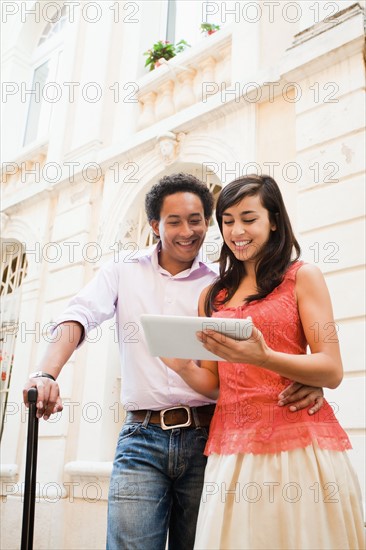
(246, 228)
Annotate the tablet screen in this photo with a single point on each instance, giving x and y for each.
(175, 336)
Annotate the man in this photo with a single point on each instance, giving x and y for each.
(158, 469)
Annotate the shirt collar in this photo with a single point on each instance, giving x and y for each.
(154, 256)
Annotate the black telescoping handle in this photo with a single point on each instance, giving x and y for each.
(30, 473)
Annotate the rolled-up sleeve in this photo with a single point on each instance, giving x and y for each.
(96, 302)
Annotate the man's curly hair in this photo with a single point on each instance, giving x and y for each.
(177, 183)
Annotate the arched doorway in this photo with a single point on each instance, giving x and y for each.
(13, 271)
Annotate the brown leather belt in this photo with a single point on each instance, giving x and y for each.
(175, 417)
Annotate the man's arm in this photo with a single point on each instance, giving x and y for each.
(95, 303)
(57, 354)
(301, 397)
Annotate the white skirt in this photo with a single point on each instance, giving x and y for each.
(306, 499)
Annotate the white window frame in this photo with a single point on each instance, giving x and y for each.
(49, 51)
(195, 19)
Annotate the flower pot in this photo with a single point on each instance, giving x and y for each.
(159, 62)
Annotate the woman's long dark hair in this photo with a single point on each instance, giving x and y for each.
(276, 255)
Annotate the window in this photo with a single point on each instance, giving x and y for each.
(37, 114)
(13, 271)
(54, 26)
(46, 63)
(185, 17)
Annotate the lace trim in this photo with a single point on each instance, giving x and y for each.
(286, 438)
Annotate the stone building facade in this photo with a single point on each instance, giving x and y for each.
(279, 89)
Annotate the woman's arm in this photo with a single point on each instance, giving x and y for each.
(203, 379)
(323, 367)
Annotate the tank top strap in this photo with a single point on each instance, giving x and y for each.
(292, 270)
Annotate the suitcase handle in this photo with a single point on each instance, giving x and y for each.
(30, 473)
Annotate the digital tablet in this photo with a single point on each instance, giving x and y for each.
(175, 336)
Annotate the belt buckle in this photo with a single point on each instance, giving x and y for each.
(185, 425)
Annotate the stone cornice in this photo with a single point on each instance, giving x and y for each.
(341, 39)
(326, 24)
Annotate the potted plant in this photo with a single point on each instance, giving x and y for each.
(163, 50)
(209, 28)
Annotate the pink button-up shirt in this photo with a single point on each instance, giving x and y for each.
(129, 287)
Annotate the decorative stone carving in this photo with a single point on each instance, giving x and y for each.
(126, 230)
(169, 146)
(4, 220)
(208, 69)
(185, 96)
(147, 117)
(164, 106)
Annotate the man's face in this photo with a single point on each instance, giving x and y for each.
(182, 228)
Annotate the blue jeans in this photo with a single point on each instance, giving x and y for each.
(156, 487)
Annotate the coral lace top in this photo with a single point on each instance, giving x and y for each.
(247, 418)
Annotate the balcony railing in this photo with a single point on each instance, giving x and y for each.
(182, 81)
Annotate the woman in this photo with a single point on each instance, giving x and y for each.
(272, 481)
